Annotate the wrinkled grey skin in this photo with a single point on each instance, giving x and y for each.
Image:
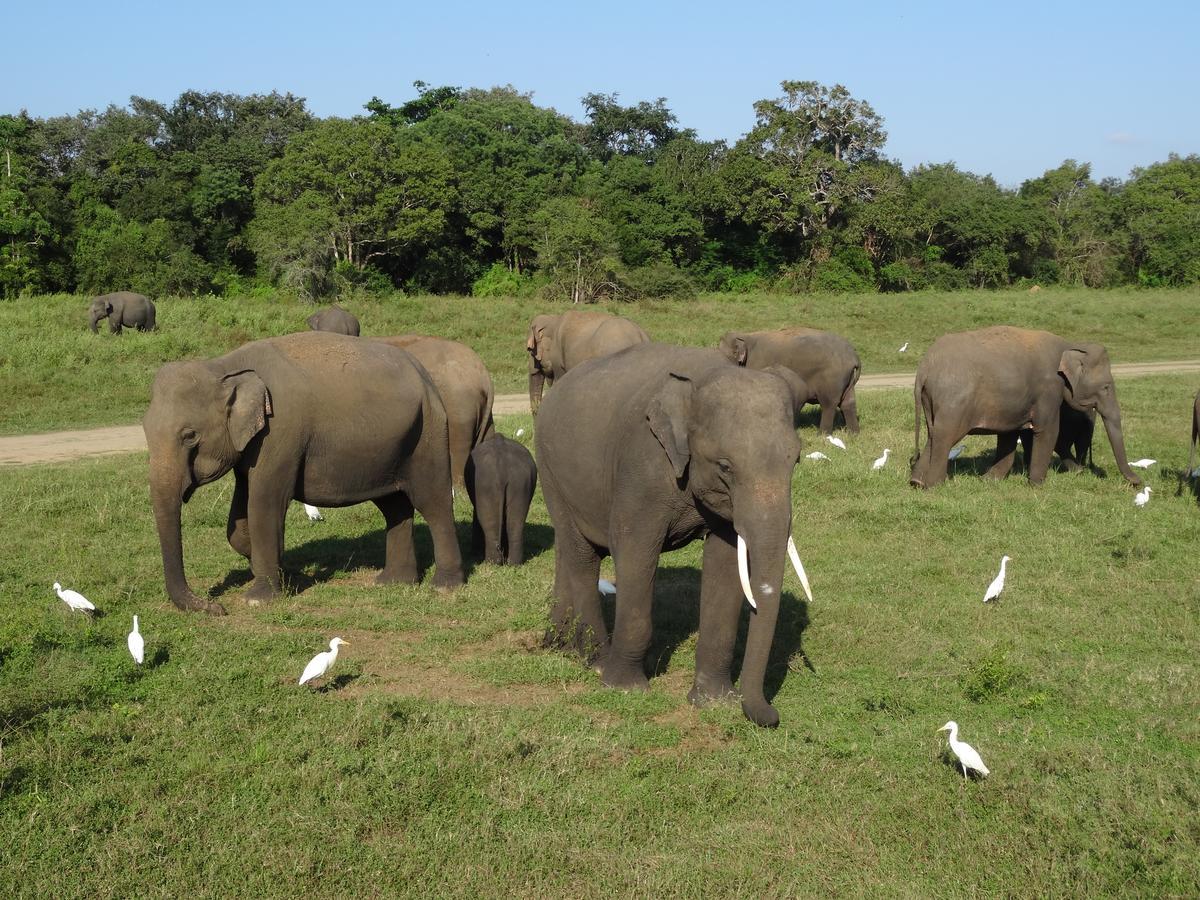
(1003, 380)
(291, 418)
(826, 362)
(466, 389)
(501, 477)
(334, 320)
(124, 309)
(556, 344)
(1073, 445)
(646, 451)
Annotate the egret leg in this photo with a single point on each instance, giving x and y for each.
(964, 768)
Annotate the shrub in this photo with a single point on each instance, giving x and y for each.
(658, 280)
(991, 676)
(901, 276)
(837, 277)
(500, 281)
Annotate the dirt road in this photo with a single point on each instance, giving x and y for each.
(63, 446)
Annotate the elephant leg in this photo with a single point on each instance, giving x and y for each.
(576, 618)
(850, 410)
(477, 538)
(720, 607)
(432, 498)
(828, 412)
(516, 510)
(490, 513)
(1006, 451)
(636, 563)
(399, 555)
(238, 528)
(1039, 460)
(267, 500)
(938, 449)
(114, 325)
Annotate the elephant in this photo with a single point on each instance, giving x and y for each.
(1002, 380)
(645, 451)
(335, 320)
(465, 386)
(321, 418)
(1073, 444)
(501, 478)
(827, 362)
(557, 344)
(1195, 436)
(124, 309)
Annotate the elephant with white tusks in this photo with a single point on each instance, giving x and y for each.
(645, 451)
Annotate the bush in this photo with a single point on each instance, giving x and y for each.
(657, 281)
(351, 279)
(734, 282)
(941, 276)
(501, 281)
(1046, 271)
(901, 276)
(837, 277)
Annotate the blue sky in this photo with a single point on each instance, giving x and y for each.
(1009, 89)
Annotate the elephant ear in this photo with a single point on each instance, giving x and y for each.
(247, 405)
(107, 308)
(1070, 367)
(668, 415)
(734, 348)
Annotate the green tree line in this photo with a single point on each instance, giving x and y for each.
(485, 192)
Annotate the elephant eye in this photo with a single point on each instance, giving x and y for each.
(188, 437)
(725, 466)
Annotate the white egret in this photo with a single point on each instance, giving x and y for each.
(1143, 496)
(520, 431)
(956, 451)
(882, 461)
(137, 646)
(904, 348)
(997, 584)
(967, 757)
(1143, 463)
(320, 663)
(817, 454)
(837, 442)
(314, 514)
(607, 587)
(74, 599)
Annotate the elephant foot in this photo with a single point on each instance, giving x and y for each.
(448, 580)
(916, 482)
(386, 577)
(623, 676)
(192, 603)
(706, 691)
(262, 589)
(496, 559)
(762, 713)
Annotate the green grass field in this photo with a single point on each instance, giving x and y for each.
(450, 757)
(59, 375)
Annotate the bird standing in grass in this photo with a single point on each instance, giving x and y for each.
(904, 348)
(137, 646)
(314, 514)
(1142, 497)
(837, 442)
(321, 663)
(956, 451)
(997, 584)
(1143, 463)
(882, 461)
(607, 588)
(968, 758)
(74, 599)
(817, 454)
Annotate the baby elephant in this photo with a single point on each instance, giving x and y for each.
(335, 320)
(501, 476)
(123, 309)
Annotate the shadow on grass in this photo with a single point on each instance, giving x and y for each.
(336, 684)
(1184, 484)
(320, 559)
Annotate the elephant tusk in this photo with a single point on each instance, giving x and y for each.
(799, 567)
(744, 571)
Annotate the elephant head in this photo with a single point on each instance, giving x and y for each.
(735, 348)
(543, 356)
(199, 423)
(1088, 386)
(101, 308)
(729, 437)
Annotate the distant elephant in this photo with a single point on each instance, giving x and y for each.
(643, 452)
(466, 389)
(320, 418)
(123, 309)
(1002, 380)
(557, 344)
(827, 362)
(334, 320)
(501, 478)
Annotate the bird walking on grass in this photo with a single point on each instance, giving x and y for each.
(314, 514)
(903, 348)
(1142, 497)
(137, 646)
(997, 584)
(817, 454)
(1143, 463)
(967, 756)
(74, 599)
(882, 461)
(321, 663)
(837, 442)
(956, 451)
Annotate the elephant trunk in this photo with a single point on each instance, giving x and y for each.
(95, 319)
(166, 495)
(766, 539)
(1112, 425)
(537, 379)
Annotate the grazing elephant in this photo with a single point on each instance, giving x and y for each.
(334, 320)
(559, 343)
(123, 309)
(501, 477)
(646, 451)
(320, 418)
(465, 386)
(827, 362)
(1002, 380)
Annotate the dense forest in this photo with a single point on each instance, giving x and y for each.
(485, 192)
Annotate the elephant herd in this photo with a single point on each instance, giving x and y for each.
(641, 448)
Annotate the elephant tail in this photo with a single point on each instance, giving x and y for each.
(918, 386)
(487, 427)
(850, 382)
